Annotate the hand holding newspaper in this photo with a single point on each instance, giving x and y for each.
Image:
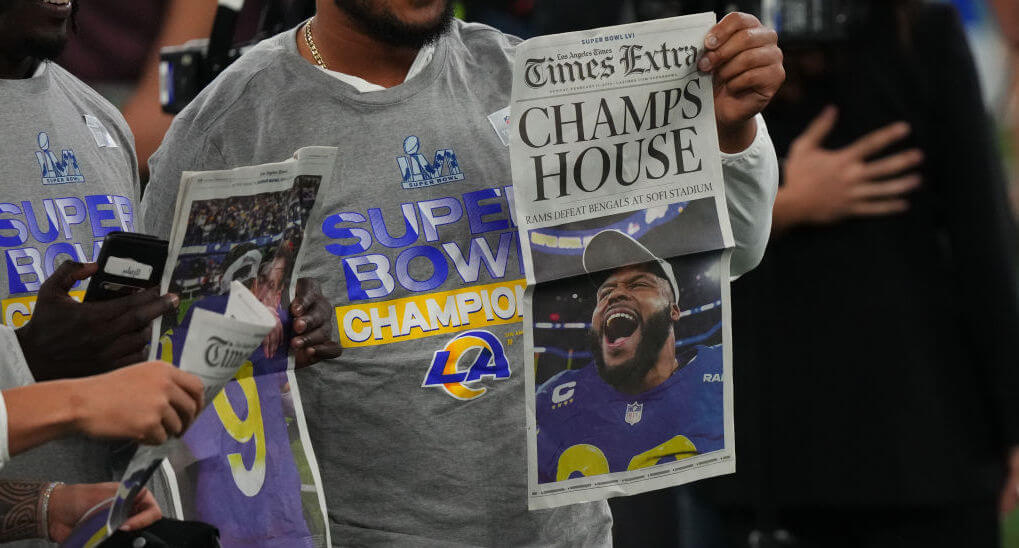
(216, 347)
(235, 246)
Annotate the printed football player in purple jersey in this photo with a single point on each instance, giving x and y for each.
(636, 405)
(266, 485)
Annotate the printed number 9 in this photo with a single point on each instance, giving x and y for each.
(248, 480)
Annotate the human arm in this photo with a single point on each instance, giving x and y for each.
(23, 503)
(183, 20)
(146, 402)
(751, 180)
(746, 65)
(65, 338)
(1009, 500)
(1008, 18)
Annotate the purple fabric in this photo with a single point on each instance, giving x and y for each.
(274, 516)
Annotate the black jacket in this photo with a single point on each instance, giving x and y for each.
(875, 359)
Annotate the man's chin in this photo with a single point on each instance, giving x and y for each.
(49, 46)
(620, 374)
(620, 367)
(427, 22)
(427, 14)
(615, 358)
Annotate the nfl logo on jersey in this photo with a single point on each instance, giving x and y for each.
(634, 412)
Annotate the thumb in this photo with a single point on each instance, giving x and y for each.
(820, 127)
(68, 274)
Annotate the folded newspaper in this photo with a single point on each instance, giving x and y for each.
(625, 236)
(215, 348)
(245, 465)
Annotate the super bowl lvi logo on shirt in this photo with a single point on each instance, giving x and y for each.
(418, 172)
(57, 171)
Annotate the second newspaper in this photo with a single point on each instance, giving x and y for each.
(625, 236)
(248, 467)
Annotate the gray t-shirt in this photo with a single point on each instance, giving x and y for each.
(70, 177)
(415, 232)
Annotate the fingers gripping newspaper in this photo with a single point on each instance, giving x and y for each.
(215, 349)
(625, 235)
(246, 464)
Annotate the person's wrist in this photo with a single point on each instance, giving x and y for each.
(49, 498)
(789, 210)
(736, 137)
(78, 404)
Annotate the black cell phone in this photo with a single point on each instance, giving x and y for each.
(128, 263)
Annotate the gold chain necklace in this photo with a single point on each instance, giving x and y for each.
(311, 45)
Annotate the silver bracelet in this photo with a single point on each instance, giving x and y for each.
(44, 509)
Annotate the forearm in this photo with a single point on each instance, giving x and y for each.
(751, 179)
(183, 20)
(21, 510)
(737, 138)
(39, 413)
(787, 214)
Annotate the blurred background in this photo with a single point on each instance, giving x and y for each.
(875, 356)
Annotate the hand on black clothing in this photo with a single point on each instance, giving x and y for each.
(825, 186)
(746, 62)
(312, 312)
(65, 338)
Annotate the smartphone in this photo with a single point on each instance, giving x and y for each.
(128, 263)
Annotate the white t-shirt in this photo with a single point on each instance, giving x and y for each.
(10, 357)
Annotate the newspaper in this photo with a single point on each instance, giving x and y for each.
(248, 468)
(246, 465)
(215, 349)
(625, 236)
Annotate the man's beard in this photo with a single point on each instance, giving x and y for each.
(45, 48)
(630, 374)
(385, 26)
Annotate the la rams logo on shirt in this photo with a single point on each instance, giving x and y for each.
(57, 171)
(487, 359)
(418, 171)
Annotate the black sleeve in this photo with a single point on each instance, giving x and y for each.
(979, 225)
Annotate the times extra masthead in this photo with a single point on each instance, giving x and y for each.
(598, 63)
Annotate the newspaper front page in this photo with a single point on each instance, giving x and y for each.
(248, 468)
(625, 236)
